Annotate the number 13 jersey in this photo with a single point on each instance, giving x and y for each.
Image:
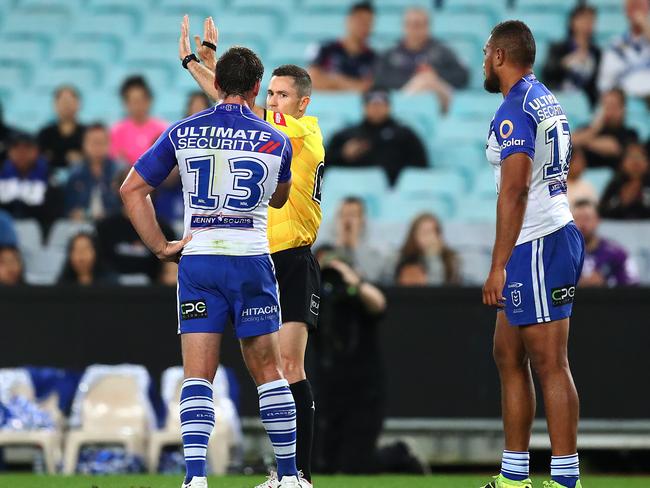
(230, 164)
(530, 120)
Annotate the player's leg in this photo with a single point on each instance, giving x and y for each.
(293, 344)
(517, 399)
(277, 407)
(547, 347)
(202, 316)
(253, 292)
(298, 276)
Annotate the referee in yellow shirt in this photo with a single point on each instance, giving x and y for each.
(292, 229)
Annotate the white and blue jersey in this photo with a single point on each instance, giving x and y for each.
(546, 262)
(230, 162)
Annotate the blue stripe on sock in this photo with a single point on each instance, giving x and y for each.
(197, 423)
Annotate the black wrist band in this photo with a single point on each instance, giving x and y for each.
(188, 58)
(210, 45)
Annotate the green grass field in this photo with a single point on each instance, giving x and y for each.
(145, 481)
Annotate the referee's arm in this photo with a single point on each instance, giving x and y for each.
(201, 73)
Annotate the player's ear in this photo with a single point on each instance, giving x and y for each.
(304, 101)
(499, 56)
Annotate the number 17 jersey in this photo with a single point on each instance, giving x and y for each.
(531, 121)
(230, 163)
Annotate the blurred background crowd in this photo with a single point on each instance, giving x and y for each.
(88, 85)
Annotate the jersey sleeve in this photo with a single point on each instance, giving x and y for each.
(285, 165)
(515, 131)
(156, 164)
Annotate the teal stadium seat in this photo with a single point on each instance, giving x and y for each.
(470, 52)
(576, 106)
(281, 10)
(387, 29)
(91, 51)
(341, 105)
(197, 9)
(599, 178)
(477, 210)
(468, 158)
(117, 28)
(14, 76)
(44, 26)
(284, 51)
(474, 25)
(484, 185)
(475, 104)
(495, 9)
(560, 6)
(305, 28)
(638, 116)
(370, 184)
(441, 182)
(329, 124)
(546, 26)
(102, 105)
(461, 131)
(398, 207)
(23, 53)
(136, 10)
(31, 112)
(399, 6)
(338, 7)
(610, 24)
(81, 75)
(69, 6)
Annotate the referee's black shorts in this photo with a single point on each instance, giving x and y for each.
(298, 277)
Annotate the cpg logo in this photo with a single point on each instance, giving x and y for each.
(516, 297)
(563, 296)
(194, 309)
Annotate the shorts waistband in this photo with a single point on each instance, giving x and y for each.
(293, 251)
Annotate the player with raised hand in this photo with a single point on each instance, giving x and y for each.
(536, 261)
(292, 229)
(233, 166)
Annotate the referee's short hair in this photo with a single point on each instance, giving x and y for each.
(516, 39)
(300, 77)
(237, 71)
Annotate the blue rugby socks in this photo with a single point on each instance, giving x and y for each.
(197, 422)
(278, 414)
(515, 465)
(565, 470)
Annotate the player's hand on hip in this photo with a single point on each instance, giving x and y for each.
(493, 288)
(171, 251)
(211, 35)
(184, 47)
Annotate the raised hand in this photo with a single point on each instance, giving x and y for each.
(210, 34)
(184, 47)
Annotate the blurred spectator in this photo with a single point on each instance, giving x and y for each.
(411, 272)
(349, 373)
(607, 136)
(425, 244)
(168, 274)
(121, 247)
(626, 63)
(60, 142)
(24, 190)
(6, 133)
(573, 64)
(7, 231)
(379, 140)
(579, 188)
(11, 267)
(197, 101)
(351, 244)
(606, 263)
(420, 62)
(628, 194)
(347, 63)
(90, 191)
(131, 137)
(83, 265)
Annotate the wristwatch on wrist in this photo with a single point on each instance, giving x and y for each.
(188, 58)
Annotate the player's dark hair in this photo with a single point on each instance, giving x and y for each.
(361, 7)
(516, 39)
(300, 77)
(578, 10)
(60, 90)
(135, 81)
(237, 71)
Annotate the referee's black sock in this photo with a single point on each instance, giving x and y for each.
(304, 399)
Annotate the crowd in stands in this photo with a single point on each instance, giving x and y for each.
(73, 171)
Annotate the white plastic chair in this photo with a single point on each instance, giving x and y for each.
(227, 429)
(111, 407)
(17, 382)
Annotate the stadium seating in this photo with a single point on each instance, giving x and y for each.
(599, 178)
(111, 406)
(371, 184)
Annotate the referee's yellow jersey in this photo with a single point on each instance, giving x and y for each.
(296, 223)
